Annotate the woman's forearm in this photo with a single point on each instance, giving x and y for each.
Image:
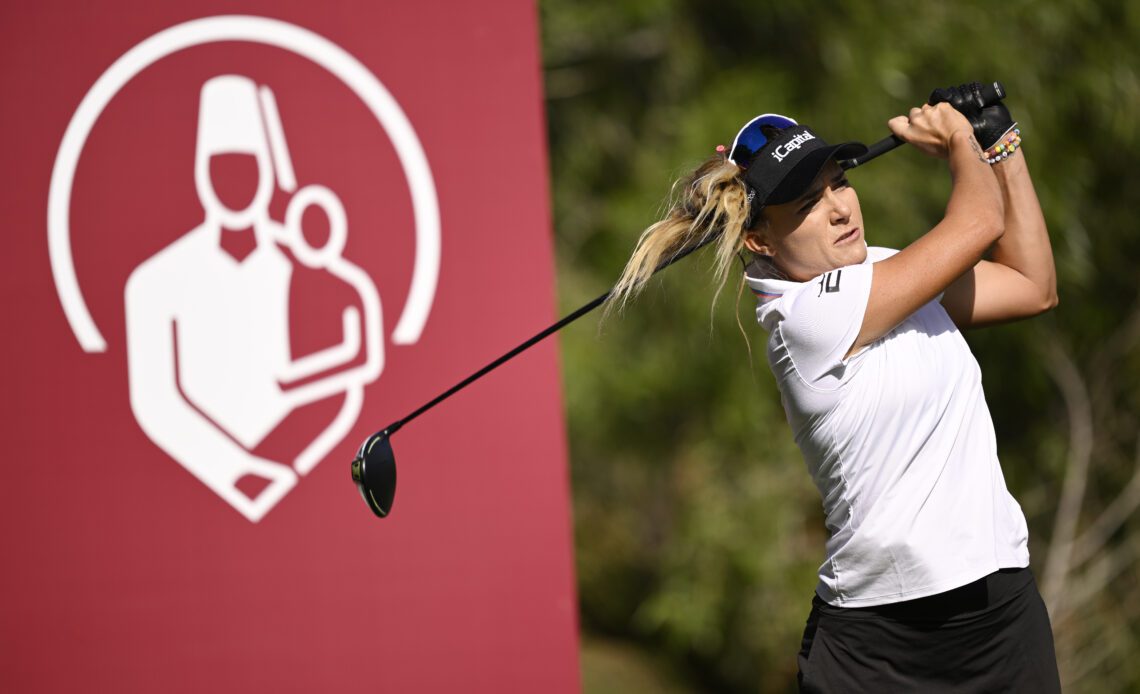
(1025, 246)
(974, 196)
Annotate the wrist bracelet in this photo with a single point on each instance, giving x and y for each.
(1007, 145)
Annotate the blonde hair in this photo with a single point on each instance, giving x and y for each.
(710, 201)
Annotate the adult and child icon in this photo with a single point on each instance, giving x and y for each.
(211, 366)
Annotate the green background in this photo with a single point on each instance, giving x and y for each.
(698, 532)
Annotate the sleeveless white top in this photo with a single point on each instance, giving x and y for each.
(898, 439)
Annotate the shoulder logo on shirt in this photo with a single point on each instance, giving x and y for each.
(829, 283)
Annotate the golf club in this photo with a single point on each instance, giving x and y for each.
(374, 467)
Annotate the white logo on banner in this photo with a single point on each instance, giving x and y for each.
(208, 346)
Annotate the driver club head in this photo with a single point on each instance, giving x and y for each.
(374, 472)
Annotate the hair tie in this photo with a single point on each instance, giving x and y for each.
(720, 150)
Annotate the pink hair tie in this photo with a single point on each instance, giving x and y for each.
(720, 149)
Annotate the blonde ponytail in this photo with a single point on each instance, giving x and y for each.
(710, 201)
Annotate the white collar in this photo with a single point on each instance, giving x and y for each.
(765, 287)
(768, 288)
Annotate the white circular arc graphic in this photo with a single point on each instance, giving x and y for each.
(272, 32)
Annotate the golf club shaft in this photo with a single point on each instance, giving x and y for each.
(877, 149)
(563, 322)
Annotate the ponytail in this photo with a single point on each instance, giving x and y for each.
(710, 201)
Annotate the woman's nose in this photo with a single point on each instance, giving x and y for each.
(840, 210)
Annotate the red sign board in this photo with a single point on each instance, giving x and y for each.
(238, 245)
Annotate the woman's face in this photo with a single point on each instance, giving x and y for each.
(818, 232)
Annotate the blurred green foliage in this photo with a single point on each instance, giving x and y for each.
(698, 531)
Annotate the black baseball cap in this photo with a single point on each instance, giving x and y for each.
(781, 165)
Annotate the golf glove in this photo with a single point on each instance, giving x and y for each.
(991, 121)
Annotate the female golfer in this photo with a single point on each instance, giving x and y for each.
(926, 585)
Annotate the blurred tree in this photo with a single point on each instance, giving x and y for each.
(698, 531)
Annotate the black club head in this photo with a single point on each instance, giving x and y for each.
(374, 472)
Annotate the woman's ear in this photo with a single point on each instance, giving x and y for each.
(754, 242)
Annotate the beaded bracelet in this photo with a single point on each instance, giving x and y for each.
(1004, 147)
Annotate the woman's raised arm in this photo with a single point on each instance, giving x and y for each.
(1020, 281)
(974, 220)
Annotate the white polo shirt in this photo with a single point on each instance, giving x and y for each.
(897, 438)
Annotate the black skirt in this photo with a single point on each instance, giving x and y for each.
(992, 635)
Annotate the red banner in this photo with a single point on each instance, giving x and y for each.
(239, 244)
